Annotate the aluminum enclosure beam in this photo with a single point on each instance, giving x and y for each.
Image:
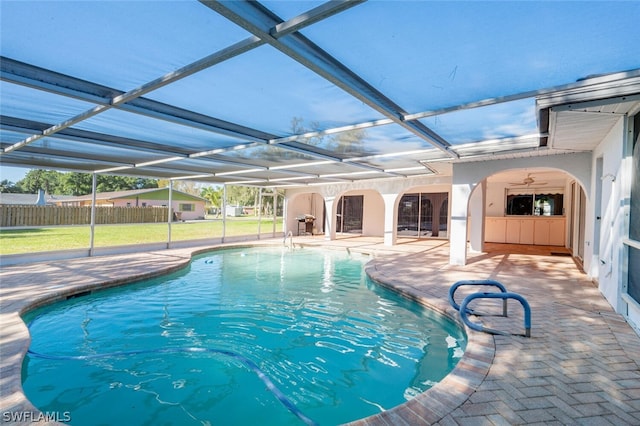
(117, 98)
(19, 73)
(166, 79)
(258, 20)
(39, 78)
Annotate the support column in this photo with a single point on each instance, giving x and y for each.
(459, 206)
(224, 212)
(92, 228)
(330, 219)
(170, 213)
(477, 212)
(390, 228)
(275, 211)
(259, 210)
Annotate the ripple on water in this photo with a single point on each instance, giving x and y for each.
(329, 338)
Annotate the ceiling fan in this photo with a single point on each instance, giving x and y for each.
(528, 181)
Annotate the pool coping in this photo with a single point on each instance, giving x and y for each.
(427, 408)
(455, 388)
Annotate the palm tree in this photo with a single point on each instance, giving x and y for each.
(214, 196)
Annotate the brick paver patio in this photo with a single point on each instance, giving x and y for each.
(580, 366)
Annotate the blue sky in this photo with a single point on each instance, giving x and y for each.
(12, 174)
(424, 55)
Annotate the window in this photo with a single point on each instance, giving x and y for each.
(633, 265)
(549, 203)
(186, 207)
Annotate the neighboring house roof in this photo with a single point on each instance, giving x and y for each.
(29, 199)
(19, 199)
(148, 193)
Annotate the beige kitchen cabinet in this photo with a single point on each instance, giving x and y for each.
(541, 233)
(556, 232)
(495, 230)
(536, 230)
(526, 231)
(513, 231)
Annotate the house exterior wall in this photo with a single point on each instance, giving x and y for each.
(380, 203)
(606, 252)
(302, 204)
(495, 196)
(196, 213)
(154, 198)
(373, 214)
(468, 176)
(601, 174)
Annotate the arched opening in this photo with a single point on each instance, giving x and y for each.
(360, 213)
(306, 214)
(541, 207)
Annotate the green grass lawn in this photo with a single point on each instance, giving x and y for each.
(16, 241)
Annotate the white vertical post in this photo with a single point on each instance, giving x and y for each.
(477, 212)
(275, 210)
(259, 211)
(390, 230)
(170, 213)
(458, 241)
(94, 185)
(330, 219)
(224, 211)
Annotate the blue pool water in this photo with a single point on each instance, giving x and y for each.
(335, 344)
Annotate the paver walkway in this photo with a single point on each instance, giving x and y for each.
(581, 365)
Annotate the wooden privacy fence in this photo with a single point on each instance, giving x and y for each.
(11, 215)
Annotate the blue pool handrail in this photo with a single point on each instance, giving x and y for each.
(464, 311)
(487, 282)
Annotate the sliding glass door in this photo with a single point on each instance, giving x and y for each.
(423, 215)
(349, 214)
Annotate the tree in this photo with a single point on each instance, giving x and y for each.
(188, 186)
(110, 183)
(6, 186)
(74, 183)
(213, 195)
(240, 195)
(35, 180)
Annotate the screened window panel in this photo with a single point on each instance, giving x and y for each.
(36, 105)
(265, 100)
(171, 135)
(634, 214)
(505, 120)
(423, 214)
(105, 41)
(436, 55)
(633, 288)
(633, 261)
(408, 211)
(350, 209)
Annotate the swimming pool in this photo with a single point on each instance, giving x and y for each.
(173, 350)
